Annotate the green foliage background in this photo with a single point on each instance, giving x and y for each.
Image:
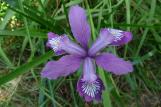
(23, 28)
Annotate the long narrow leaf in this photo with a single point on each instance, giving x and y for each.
(25, 68)
(34, 33)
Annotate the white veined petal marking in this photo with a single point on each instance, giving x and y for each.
(117, 34)
(91, 89)
(55, 43)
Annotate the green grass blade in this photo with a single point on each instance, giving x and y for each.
(25, 68)
(72, 89)
(3, 24)
(128, 21)
(22, 32)
(142, 41)
(26, 27)
(91, 20)
(151, 15)
(106, 92)
(5, 58)
(9, 14)
(51, 92)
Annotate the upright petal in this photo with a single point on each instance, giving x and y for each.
(90, 86)
(66, 65)
(72, 48)
(79, 25)
(61, 44)
(120, 37)
(103, 40)
(113, 64)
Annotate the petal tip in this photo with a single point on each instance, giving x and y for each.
(74, 7)
(129, 36)
(44, 75)
(51, 35)
(120, 37)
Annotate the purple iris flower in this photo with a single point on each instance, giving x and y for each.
(89, 86)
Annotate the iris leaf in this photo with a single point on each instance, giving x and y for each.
(25, 67)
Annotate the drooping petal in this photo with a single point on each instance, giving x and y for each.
(90, 85)
(61, 44)
(89, 70)
(90, 90)
(113, 64)
(120, 37)
(79, 25)
(103, 40)
(66, 65)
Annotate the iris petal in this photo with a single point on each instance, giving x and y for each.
(90, 85)
(79, 25)
(103, 40)
(89, 70)
(120, 37)
(90, 90)
(54, 43)
(113, 64)
(61, 44)
(66, 65)
(72, 48)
